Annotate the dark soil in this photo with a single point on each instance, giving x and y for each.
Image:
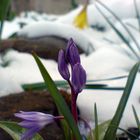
(31, 101)
(38, 101)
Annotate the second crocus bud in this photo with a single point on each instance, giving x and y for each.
(72, 54)
(63, 66)
(78, 78)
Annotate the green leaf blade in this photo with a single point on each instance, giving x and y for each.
(136, 117)
(60, 102)
(3, 8)
(111, 131)
(96, 123)
(4, 4)
(15, 131)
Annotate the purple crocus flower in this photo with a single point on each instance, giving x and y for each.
(72, 54)
(63, 66)
(72, 57)
(34, 122)
(78, 78)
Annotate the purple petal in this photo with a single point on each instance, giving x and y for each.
(26, 116)
(30, 133)
(34, 121)
(63, 66)
(34, 116)
(78, 78)
(27, 124)
(29, 112)
(72, 54)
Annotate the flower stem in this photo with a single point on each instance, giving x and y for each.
(73, 103)
(59, 117)
(74, 108)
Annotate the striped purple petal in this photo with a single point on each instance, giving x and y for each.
(33, 116)
(34, 121)
(72, 54)
(27, 124)
(29, 133)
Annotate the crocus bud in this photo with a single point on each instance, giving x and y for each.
(63, 66)
(72, 54)
(78, 78)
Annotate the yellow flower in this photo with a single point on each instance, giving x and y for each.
(81, 19)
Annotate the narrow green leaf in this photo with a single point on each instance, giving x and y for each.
(132, 26)
(119, 32)
(101, 130)
(62, 83)
(129, 133)
(137, 13)
(4, 4)
(15, 131)
(66, 130)
(111, 131)
(58, 99)
(136, 117)
(102, 87)
(96, 134)
(123, 25)
(41, 86)
(108, 79)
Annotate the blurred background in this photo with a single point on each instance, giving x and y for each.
(49, 6)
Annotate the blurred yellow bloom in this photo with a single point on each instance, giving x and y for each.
(81, 19)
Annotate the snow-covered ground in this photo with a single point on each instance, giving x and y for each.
(108, 55)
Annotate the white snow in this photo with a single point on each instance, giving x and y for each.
(8, 29)
(107, 102)
(22, 69)
(57, 29)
